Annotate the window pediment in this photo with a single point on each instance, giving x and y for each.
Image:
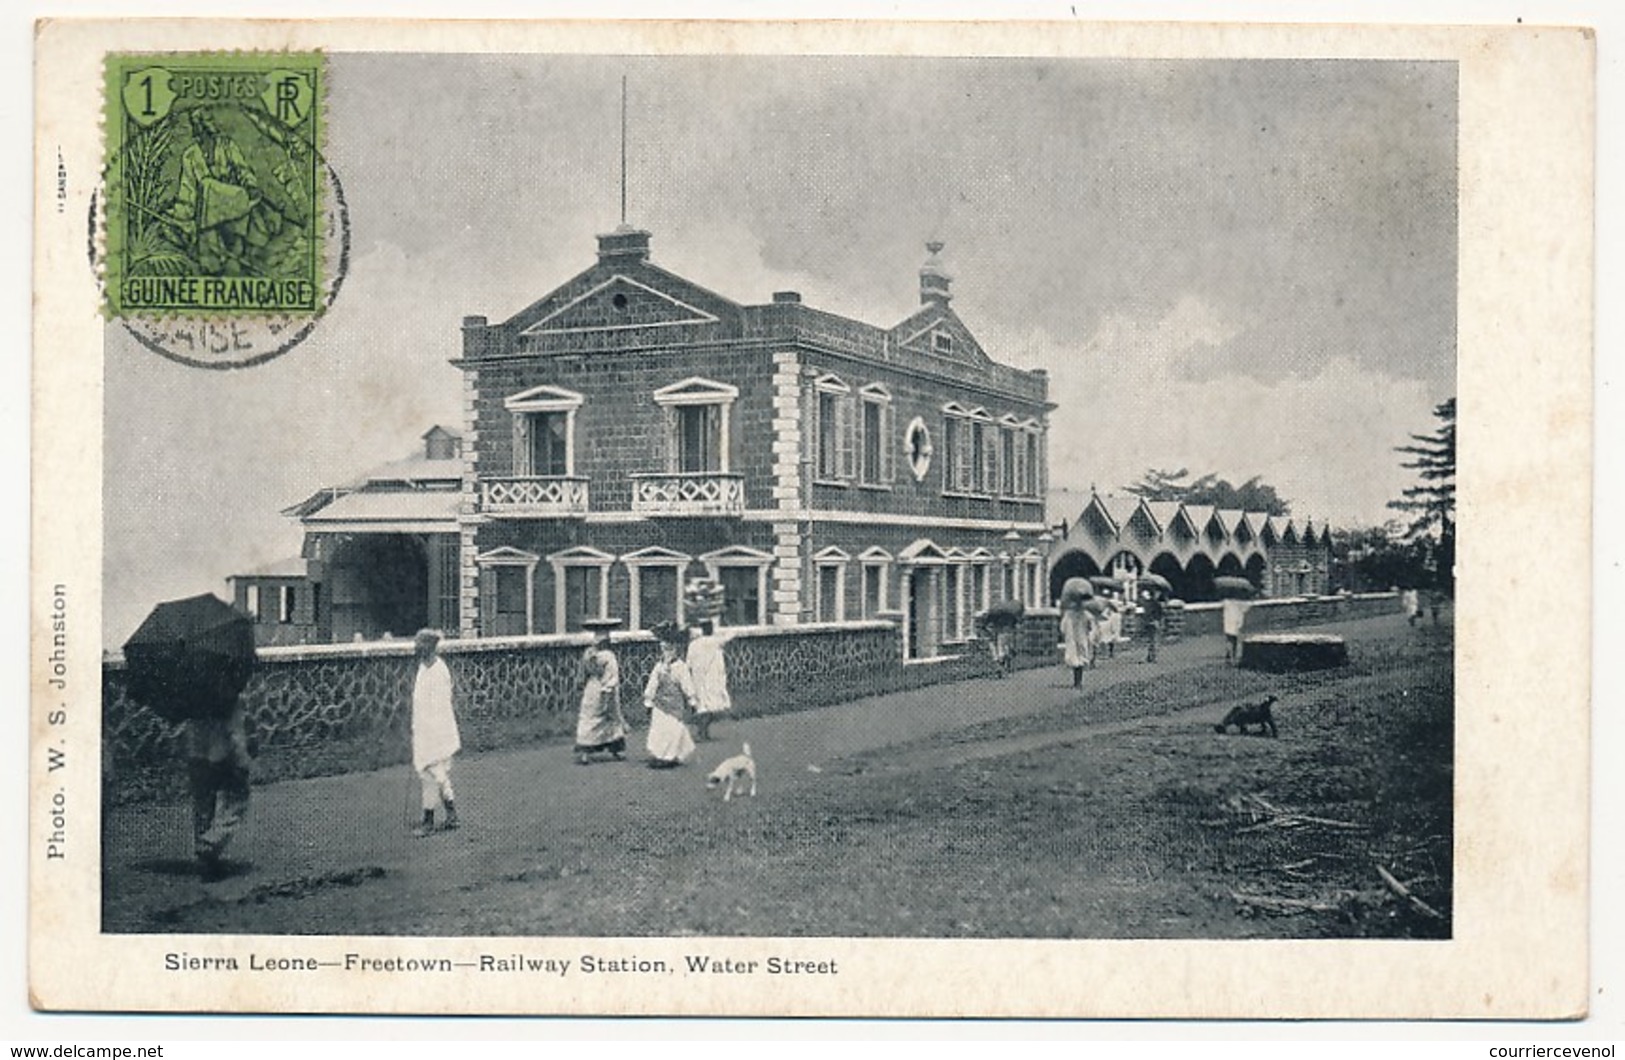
(655, 554)
(506, 555)
(923, 550)
(737, 554)
(696, 390)
(581, 554)
(545, 398)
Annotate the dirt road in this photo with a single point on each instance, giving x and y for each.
(1010, 807)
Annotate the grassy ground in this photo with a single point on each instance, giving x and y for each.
(1117, 814)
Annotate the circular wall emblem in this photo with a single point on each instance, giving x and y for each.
(918, 440)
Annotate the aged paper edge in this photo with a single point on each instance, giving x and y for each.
(1524, 372)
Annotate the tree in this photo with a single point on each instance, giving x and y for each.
(1254, 495)
(1373, 558)
(1431, 504)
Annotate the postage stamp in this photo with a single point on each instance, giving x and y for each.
(213, 188)
(962, 521)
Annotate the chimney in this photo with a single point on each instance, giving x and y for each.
(624, 245)
(786, 297)
(934, 280)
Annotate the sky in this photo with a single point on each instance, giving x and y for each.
(1246, 268)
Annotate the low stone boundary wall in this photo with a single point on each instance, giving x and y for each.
(321, 709)
(1290, 612)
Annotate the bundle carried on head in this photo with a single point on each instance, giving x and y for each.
(702, 599)
(1075, 591)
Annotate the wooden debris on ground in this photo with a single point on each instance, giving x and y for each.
(1299, 883)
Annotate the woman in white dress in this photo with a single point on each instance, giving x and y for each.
(1077, 636)
(670, 699)
(1111, 626)
(600, 726)
(710, 673)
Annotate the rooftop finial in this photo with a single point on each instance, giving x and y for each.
(934, 280)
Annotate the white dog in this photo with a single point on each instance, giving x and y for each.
(733, 773)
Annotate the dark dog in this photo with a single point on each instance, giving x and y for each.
(1255, 714)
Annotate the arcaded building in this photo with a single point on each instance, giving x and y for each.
(1124, 535)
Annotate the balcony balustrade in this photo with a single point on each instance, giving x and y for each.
(534, 496)
(707, 493)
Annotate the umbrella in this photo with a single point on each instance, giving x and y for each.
(1075, 591)
(1157, 582)
(1005, 613)
(190, 658)
(1106, 581)
(1233, 588)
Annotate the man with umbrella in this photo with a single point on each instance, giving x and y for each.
(189, 662)
(217, 774)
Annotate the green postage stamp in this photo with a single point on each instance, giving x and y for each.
(214, 184)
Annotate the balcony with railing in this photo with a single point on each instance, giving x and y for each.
(534, 497)
(710, 493)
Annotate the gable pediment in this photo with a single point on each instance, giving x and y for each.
(937, 331)
(616, 303)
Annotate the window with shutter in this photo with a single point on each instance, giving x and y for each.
(1008, 462)
(888, 444)
(1019, 486)
(812, 444)
(672, 445)
(1035, 459)
(829, 434)
(488, 601)
(521, 443)
(987, 463)
(965, 462)
(977, 457)
(549, 443)
(845, 414)
(871, 443)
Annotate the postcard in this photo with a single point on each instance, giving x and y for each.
(811, 519)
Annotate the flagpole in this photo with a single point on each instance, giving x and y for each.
(623, 150)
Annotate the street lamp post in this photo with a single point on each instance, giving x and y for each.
(1045, 540)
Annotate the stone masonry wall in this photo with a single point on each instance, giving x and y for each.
(337, 708)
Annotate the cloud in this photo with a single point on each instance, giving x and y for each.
(1127, 402)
